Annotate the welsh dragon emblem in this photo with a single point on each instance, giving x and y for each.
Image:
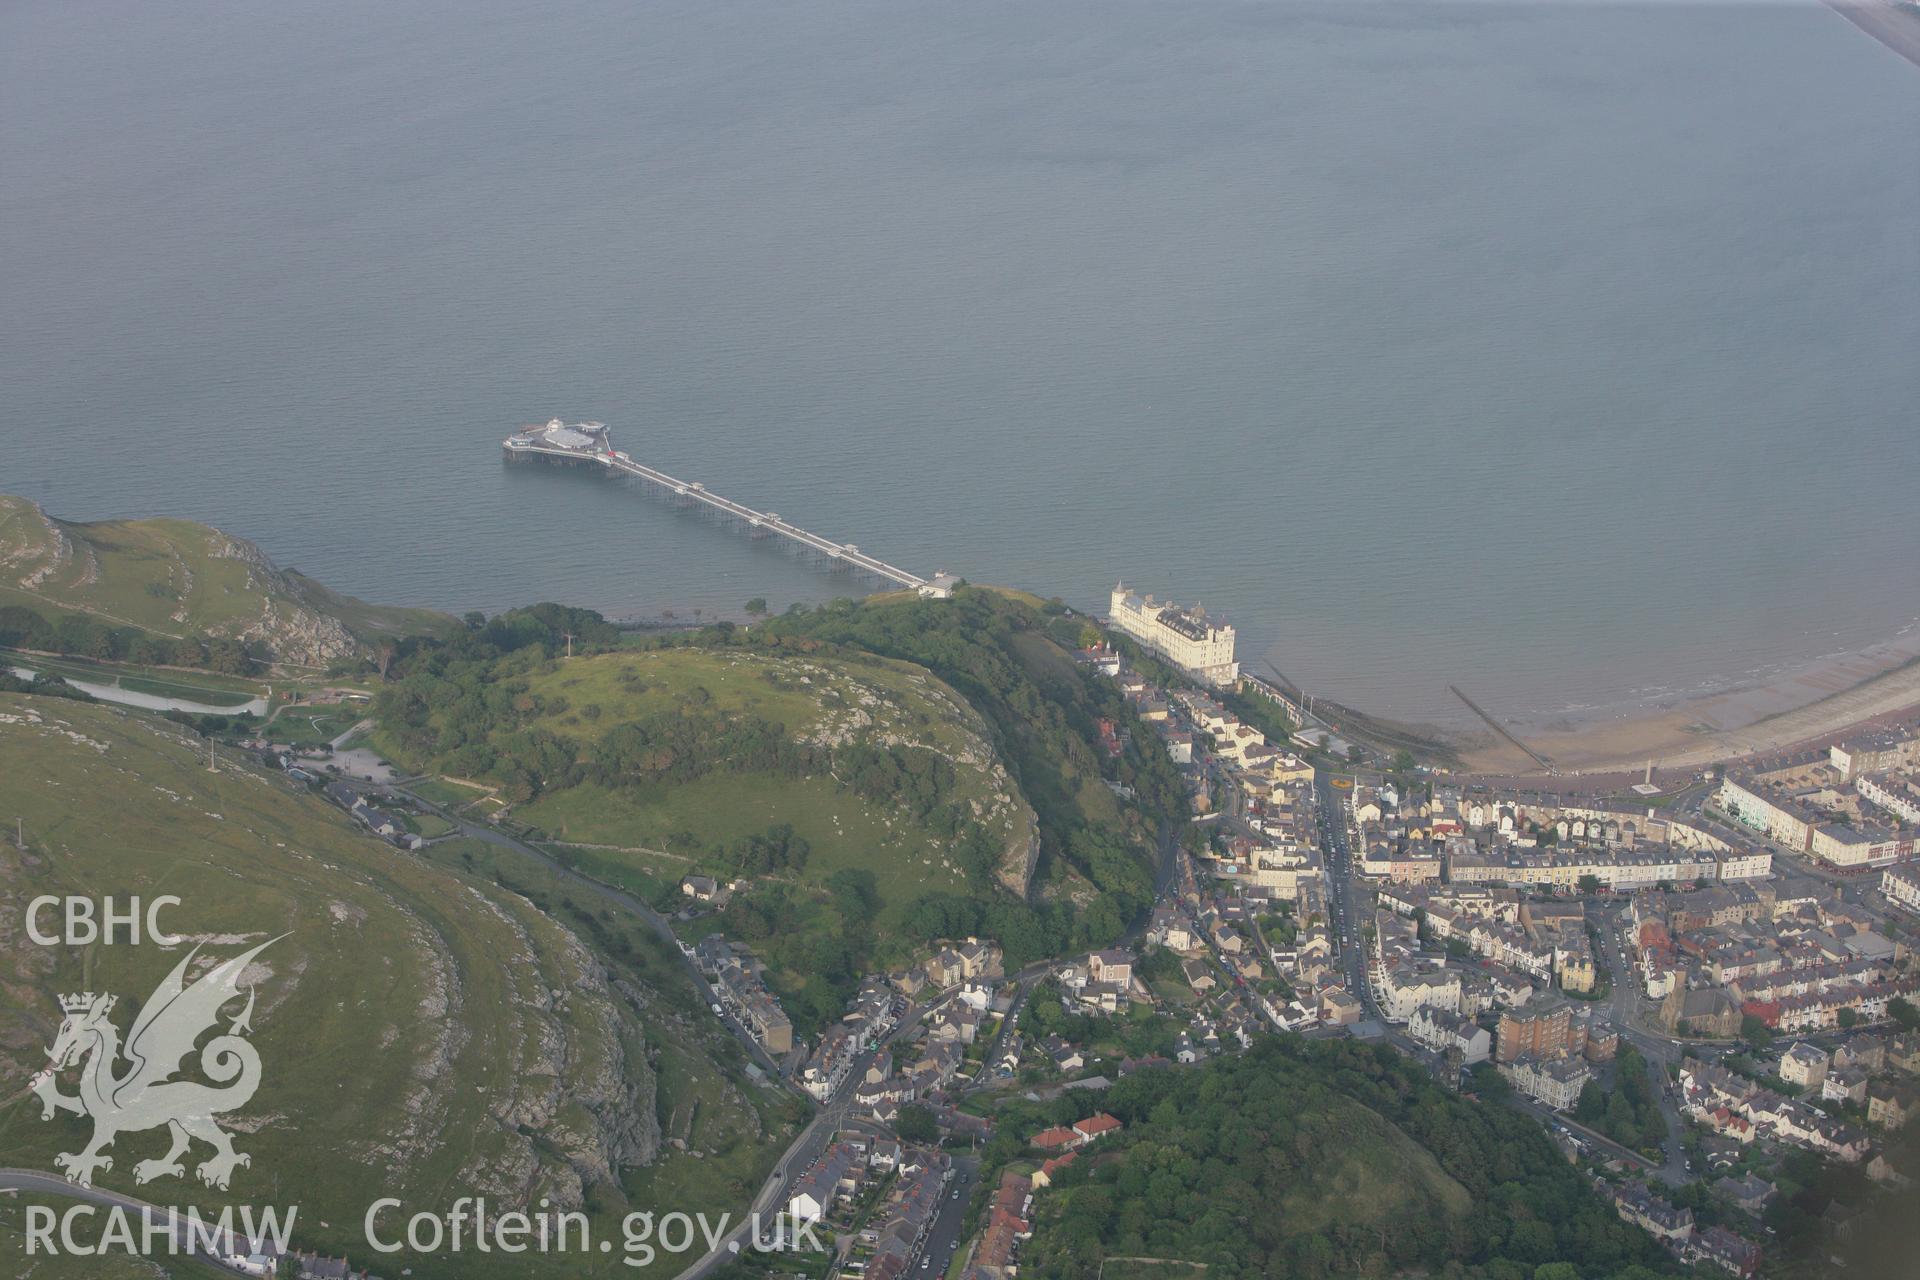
(146, 1095)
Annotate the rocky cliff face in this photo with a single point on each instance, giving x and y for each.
(573, 1103)
(32, 543)
(288, 627)
(595, 1109)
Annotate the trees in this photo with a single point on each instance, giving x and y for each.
(230, 657)
(1755, 1031)
(856, 894)
(1630, 1114)
(1848, 1018)
(1903, 1013)
(1589, 884)
(1207, 1156)
(1158, 964)
(757, 607)
(1489, 1083)
(915, 1123)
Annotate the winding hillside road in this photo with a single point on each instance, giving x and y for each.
(54, 1185)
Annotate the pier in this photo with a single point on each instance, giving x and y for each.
(590, 444)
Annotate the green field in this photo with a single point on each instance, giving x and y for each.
(449, 795)
(314, 726)
(820, 702)
(839, 699)
(843, 830)
(627, 686)
(428, 1028)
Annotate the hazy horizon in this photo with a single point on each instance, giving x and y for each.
(1563, 352)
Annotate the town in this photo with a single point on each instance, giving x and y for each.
(1689, 986)
(1684, 987)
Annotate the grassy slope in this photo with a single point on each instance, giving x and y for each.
(826, 701)
(1008, 656)
(1375, 1174)
(412, 1041)
(176, 578)
(370, 622)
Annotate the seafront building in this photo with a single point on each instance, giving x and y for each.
(1808, 810)
(1187, 638)
(1542, 843)
(1876, 753)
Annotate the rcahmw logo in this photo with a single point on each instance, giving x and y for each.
(133, 1088)
(233, 1235)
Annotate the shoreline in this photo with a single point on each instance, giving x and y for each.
(1895, 28)
(1820, 702)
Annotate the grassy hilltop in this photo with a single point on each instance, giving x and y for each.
(897, 723)
(172, 580)
(429, 1028)
(878, 774)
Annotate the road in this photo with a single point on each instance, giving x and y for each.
(1660, 1052)
(772, 1198)
(943, 1237)
(805, 1148)
(620, 898)
(54, 1185)
(1336, 843)
(1023, 984)
(818, 1135)
(832, 1116)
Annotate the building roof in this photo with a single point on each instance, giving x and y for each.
(1095, 1125)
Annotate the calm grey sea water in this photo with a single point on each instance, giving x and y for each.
(1565, 352)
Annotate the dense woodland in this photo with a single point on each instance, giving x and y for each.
(1285, 1162)
(79, 636)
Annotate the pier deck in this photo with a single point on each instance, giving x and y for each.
(535, 443)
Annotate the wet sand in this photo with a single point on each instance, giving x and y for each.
(1828, 701)
(1823, 702)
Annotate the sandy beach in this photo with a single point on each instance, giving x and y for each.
(1823, 701)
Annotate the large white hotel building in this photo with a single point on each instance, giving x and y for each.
(1186, 638)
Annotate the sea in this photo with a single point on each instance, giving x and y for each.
(1565, 352)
